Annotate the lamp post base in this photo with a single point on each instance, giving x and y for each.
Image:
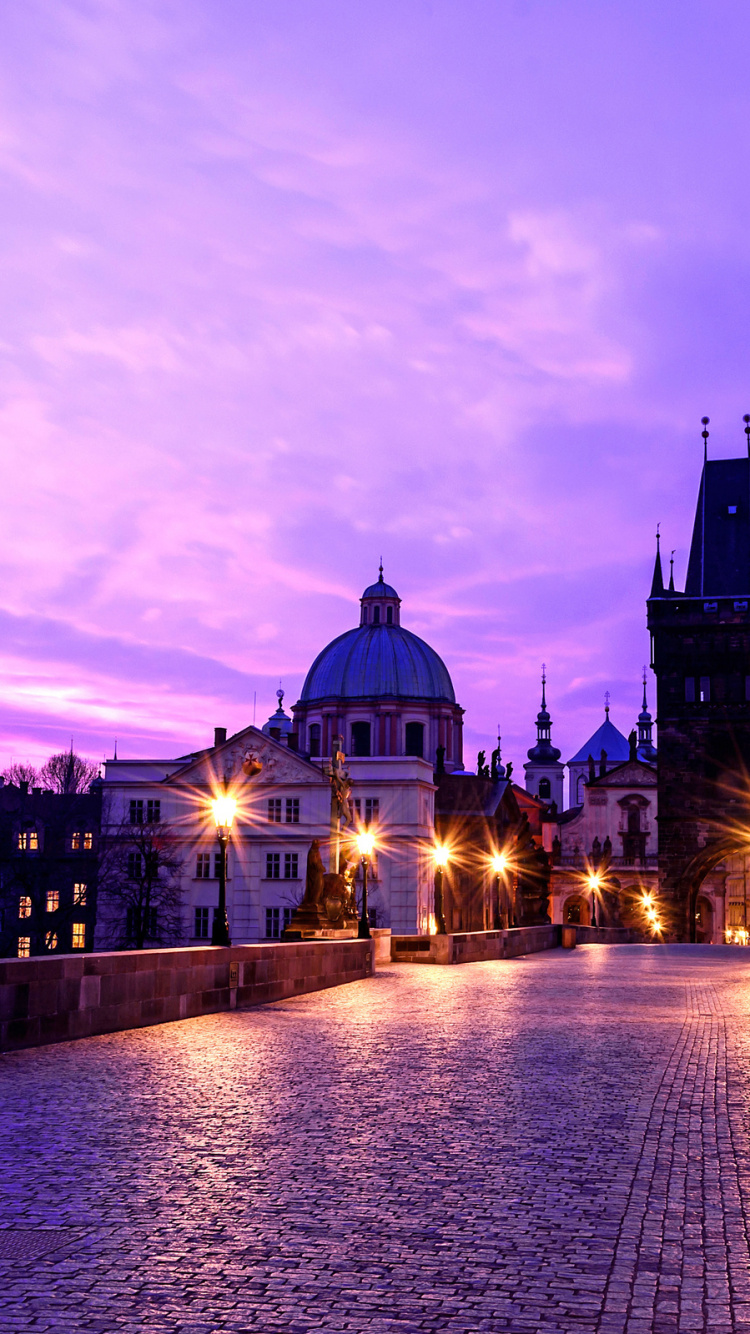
(220, 931)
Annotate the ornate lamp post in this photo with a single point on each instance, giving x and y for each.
(365, 847)
(223, 809)
(442, 858)
(499, 866)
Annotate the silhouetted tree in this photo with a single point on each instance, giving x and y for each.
(140, 887)
(68, 772)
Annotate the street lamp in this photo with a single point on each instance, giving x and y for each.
(594, 883)
(223, 809)
(499, 866)
(442, 858)
(365, 847)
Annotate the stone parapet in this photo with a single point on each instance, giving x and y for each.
(474, 946)
(54, 999)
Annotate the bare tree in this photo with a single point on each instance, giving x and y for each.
(68, 772)
(18, 773)
(140, 890)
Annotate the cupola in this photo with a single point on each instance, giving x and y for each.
(381, 604)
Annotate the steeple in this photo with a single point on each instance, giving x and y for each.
(543, 752)
(657, 583)
(671, 571)
(646, 749)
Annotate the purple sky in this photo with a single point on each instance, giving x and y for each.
(290, 284)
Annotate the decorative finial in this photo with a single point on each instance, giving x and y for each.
(544, 685)
(645, 706)
(671, 570)
(280, 695)
(746, 420)
(115, 756)
(607, 698)
(658, 537)
(380, 571)
(704, 433)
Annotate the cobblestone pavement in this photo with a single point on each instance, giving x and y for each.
(558, 1143)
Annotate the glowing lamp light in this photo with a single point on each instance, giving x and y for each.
(223, 811)
(594, 881)
(499, 863)
(365, 844)
(441, 856)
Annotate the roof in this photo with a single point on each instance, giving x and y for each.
(606, 738)
(381, 590)
(719, 564)
(376, 661)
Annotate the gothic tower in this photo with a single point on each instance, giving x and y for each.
(700, 653)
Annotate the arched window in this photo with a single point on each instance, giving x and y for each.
(545, 789)
(361, 737)
(389, 615)
(375, 617)
(315, 738)
(414, 739)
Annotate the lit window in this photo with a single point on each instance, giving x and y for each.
(24, 947)
(88, 841)
(291, 866)
(705, 689)
(50, 940)
(201, 923)
(28, 840)
(53, 900)
(24, 906)
(273, 865)
(274, 810)
(153, 812)
(79, 896)
(75, 842)
(136, 812)
(292, 810)
(203, 866)
(79, 935)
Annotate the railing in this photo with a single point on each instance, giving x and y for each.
(580, 863)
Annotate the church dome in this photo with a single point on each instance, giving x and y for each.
(379, 659)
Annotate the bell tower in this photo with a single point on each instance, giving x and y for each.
(544, 772)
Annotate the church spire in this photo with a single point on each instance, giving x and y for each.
(646, 749)
(543, 750)
(657, 583)
(671, 571)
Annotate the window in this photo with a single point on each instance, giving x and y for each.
(314, 739)
(153, 812)
(690, 690)
(372, 810)
(276, 920)
(545, 789)
(376, 615)
(389, 616)
(292, 810)
(273, 865)
(24, 906)
(361, 738)
(136, 812)
(731, 509)
(414, 739)
(580, 785)
(28, 840)
(291, 866)
(274, 810)
(75, 842)
(79, 896)
(372, 913)
(203, 866)
(79, 935)
(134, 866)
(53, 900)
(201, 923)
(147, 916)
(705, 688)
(88, 841)
(217, 865)
(50, 940)
(24, 947)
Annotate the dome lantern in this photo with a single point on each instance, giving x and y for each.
(380, 604)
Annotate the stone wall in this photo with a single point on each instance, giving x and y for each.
(474, 946)
(52, 999)
(611, 935)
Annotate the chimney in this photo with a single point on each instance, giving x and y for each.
(23, 787)
(220, 735)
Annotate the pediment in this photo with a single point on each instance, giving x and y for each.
(249, 757)
(633, 773)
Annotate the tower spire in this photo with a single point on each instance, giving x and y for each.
(657, 583)
(671, 570)
(746, 420)
(544, 685)
(646, 749)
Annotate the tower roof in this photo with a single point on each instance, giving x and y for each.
(606, 738)
(719, 564)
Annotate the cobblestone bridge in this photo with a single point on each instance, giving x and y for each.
(558, 1143)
